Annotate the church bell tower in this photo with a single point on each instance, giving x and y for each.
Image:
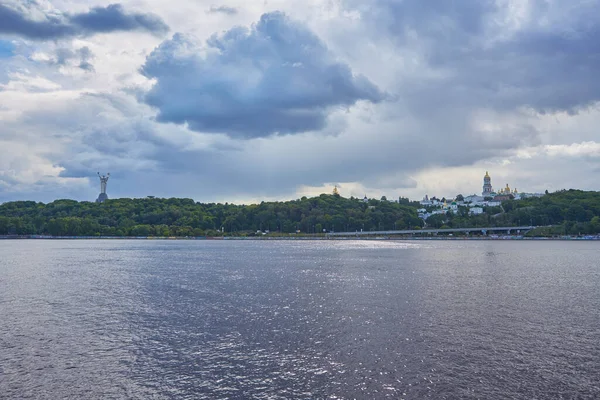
(487, 185)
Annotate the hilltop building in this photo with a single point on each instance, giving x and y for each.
(488, 190)
(433, 201)
(474, 203)
(474, 199)
(487, 186)
(508, 192)
(476, 211)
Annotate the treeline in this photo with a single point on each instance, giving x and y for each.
(568, 212)
(185, 217)
(565, 212)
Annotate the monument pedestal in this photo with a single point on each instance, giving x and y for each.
(102, 197)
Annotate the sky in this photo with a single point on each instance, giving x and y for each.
(249, 100)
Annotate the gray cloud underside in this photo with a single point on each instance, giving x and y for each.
(276, 77)
(125, 144)
(547, 67)
(97, 20)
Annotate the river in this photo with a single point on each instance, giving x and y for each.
(99, 319)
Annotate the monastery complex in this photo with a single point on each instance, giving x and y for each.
(474, 203)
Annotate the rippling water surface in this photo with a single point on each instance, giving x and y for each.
(309, 320)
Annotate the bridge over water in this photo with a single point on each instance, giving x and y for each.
(484, 231)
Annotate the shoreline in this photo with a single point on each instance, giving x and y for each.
(319, 238)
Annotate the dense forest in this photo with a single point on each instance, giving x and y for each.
(564, 212)
(185, 217)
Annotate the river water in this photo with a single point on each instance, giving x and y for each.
(112, 319)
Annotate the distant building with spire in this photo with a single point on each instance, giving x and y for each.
(488, 191)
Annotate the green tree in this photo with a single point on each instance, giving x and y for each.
(575, 211)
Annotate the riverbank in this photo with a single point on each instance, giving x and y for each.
(350, 237)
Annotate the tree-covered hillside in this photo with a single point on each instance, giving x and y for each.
(568, 212)
(571, 212)
(185, 217)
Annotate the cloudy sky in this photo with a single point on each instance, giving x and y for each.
(244, 100)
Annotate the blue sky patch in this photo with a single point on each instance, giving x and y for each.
(6, 49)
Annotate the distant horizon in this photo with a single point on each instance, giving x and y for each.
(94, 187)
(389, 198)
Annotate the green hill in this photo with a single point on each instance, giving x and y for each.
(564, 212)
(185, 217)
(569, 212)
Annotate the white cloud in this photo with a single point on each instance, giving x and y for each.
(580, 151)
(20, 82)
(585, 149)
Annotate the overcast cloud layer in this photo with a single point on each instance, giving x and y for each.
(248, 100)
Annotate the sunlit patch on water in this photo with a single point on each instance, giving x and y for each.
(362, 244)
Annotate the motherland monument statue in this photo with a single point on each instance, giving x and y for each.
(102, 197)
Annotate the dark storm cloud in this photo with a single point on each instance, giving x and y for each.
(222, 10)
(547, 67)
(14, 22)
(97, 20)
(276, 77)
(114, 18)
